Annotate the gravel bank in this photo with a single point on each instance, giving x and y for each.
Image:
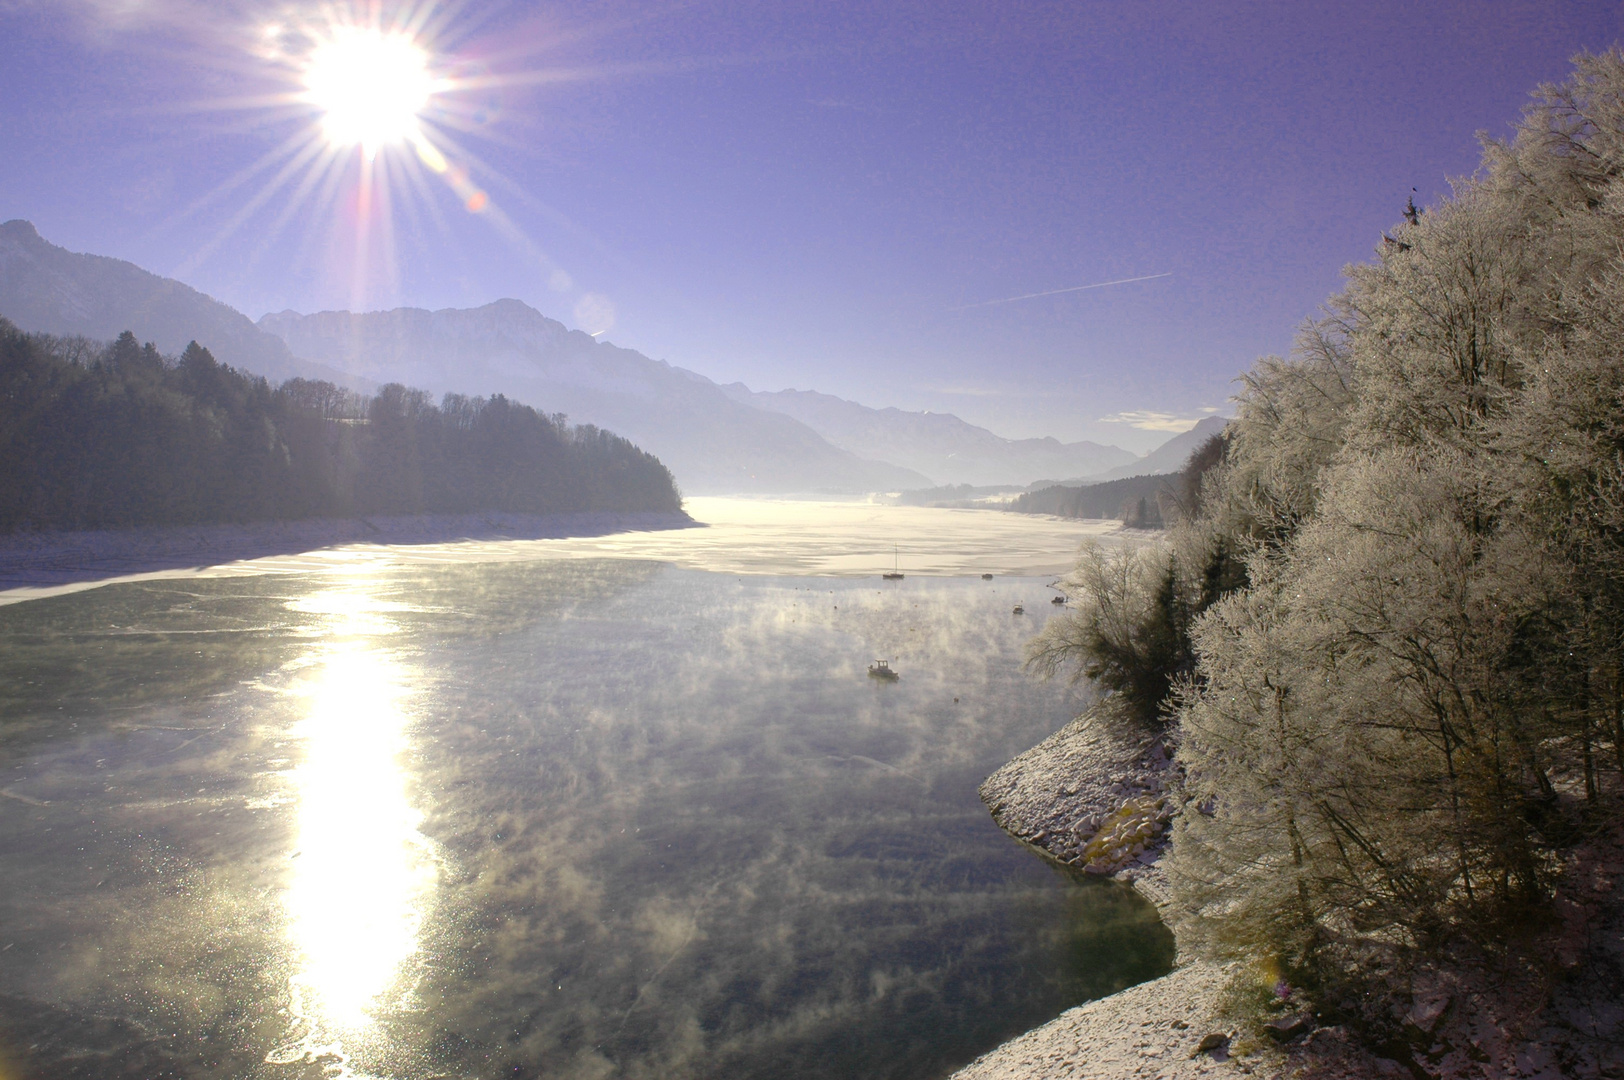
(1149, 1030)
(1158, 1030)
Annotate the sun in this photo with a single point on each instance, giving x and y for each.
(376, 105)
(370, 86)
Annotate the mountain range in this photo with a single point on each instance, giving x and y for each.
(709, 441)
(940, 445)
(49, 290)
(1170, 457)
(715, 439)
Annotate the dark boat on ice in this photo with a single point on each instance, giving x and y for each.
(881, 669)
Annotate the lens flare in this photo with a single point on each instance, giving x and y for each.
(376, 98)
(371, 88)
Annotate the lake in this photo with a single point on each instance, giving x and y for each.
(628, 806)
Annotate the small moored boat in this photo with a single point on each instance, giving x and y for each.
(895, 573)
(1019, 610)
(881, 669)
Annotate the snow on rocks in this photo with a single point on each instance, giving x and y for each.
(1094, 795)
(1098, 795)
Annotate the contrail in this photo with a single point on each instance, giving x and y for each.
(1057, 292)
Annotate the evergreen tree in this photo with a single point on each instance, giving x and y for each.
(94, 437)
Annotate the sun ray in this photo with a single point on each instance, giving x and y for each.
(329, 196)
(529, 199)
(548, 76)
(431, 206)
(364, 193)
(382, 109)
(251, 207)
(291, 146)
(331, 170)
(289, 101)
(386, 225)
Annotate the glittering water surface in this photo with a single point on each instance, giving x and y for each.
(564, 818)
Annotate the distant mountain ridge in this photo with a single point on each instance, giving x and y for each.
(50, 290)
(1170, 457)
(940, 445)
(710, 441)
(715, 439)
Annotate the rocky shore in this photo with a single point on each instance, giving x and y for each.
(1097, 795)
(1094, 795)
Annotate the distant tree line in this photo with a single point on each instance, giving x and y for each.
(1139, 502)
(1387, 631)
(949, 495)
(96, 436)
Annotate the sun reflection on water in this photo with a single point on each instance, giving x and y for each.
(362, 873)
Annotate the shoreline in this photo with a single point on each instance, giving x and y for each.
(1054, 798)
(1465, 1022)
(39, 563)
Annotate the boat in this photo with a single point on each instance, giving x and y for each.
(895, 574)
(881, 669)
(1019, 610)
(1058, 600)
(986, 577)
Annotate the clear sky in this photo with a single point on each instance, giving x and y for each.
(821, 195)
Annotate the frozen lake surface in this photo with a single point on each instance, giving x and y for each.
(615, 806)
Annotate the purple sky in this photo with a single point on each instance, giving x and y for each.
(810, 194)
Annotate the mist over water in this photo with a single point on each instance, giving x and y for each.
(576, 817)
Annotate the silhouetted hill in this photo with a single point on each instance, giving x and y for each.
(1142, 501)
(121, 435)
(940, 445)
(711, 442)
(48, 289)
(1135, 499)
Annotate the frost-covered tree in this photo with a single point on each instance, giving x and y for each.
(1129, 628)
(1415, 705)
(1127, 632)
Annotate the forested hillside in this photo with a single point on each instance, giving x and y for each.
(1388, 639)
(1140, 502)
(96, 436)
(711, 442)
